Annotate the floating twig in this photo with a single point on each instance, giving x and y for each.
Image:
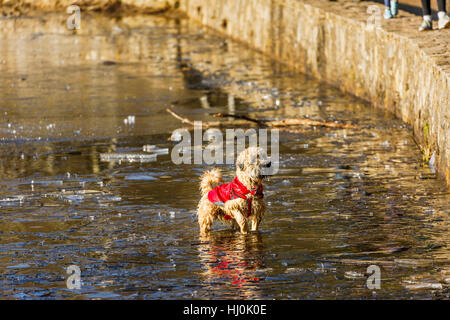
(225, 115)
(184, 120)
(309, 122)
(208, 124)
(267, 123)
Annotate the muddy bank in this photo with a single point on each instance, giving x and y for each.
(18, 7)
(392, 65)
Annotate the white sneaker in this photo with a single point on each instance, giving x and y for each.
(388, 14)
(426, 25)
(444, 22)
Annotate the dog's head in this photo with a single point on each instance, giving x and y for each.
(252, 165)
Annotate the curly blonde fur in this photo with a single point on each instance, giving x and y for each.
(248, 171)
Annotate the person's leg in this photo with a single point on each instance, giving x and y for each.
(426, 9)
(394, 7)
(444, 20)
(441, 5)
(387, 10)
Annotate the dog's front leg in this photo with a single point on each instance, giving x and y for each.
(254, 223)
(241, 221)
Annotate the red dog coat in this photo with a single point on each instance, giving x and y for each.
(229, 191)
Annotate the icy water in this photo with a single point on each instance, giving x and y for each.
(343, 199)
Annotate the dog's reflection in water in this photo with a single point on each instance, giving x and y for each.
(233, 262)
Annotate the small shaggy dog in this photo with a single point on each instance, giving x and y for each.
(239, 203)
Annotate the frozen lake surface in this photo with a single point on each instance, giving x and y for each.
(70, 103)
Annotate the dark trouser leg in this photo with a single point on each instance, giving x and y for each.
(441, 5)
(426, 7)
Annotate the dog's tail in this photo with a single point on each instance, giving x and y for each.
(209, 179)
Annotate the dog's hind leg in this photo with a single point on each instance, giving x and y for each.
(234, 226)
(205, 222)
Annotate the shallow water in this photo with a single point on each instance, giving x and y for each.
(342, 200)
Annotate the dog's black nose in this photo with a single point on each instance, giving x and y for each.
(268, 164)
